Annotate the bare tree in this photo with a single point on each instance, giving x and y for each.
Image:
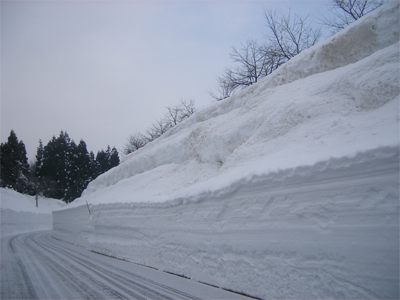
(249, 63)
(225, 88)
(135, 142)
(175, 115)
(344, 12)
(287, 36)
(157, 129)
(180, 112)
(252, 62)
(188, 108)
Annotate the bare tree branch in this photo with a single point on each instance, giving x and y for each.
(345, 12)
(287, 36)
(135, 142)
(252, 62)
(175, 115)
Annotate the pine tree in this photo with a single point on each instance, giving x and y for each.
(80, 172)
(14, 165)
(94, 167)
(64, 169)
(114, 158)
(107, 159)
(55, 167)
(102, 160)
(39, 158)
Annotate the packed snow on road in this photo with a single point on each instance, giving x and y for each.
(34, 265)
(288, 189)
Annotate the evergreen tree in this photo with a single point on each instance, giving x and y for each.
(102, 161)
(107, 159)
(114, 158)
(39, 158)
(64, 169)
(94, 166)
(14, 165)
(55, 167)
(80, 170)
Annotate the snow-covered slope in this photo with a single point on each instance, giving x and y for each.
(20, 214)
(288, 189)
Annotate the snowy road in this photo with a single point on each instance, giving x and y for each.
(36, 266)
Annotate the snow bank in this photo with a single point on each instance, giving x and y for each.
(20, 214)
(359, 75)
(288, 189)
(323, 231)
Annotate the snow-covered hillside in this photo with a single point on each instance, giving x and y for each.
(288, 189)
(20, 214)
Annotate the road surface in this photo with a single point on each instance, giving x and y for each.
(36, 266)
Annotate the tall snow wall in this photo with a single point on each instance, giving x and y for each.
(18, 213)
(324, 231)
(289, 189)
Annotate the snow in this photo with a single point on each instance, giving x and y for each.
(36, 266)
(288, 189)
(20, 214)
(329, 230)
(325, 104)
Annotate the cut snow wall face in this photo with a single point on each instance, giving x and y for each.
(13, 222)
(18, 212)
(323, 231)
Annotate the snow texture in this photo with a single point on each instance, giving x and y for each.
(19, 212)
(36, 266)
(288, 189)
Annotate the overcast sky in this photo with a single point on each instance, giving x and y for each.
(103, 70)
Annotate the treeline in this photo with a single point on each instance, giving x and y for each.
(62, 169)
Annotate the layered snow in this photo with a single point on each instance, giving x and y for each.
(288, 189)
(20, 214)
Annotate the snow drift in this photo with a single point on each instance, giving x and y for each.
(20, 214)
(288, 189)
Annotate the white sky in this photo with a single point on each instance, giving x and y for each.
(103, 70)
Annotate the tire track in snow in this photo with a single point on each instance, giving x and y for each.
(25, 288)
(119, 279)
(48, 273)
(123, 276)
(37, 266)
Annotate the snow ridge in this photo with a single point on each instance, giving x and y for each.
(368, 52)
